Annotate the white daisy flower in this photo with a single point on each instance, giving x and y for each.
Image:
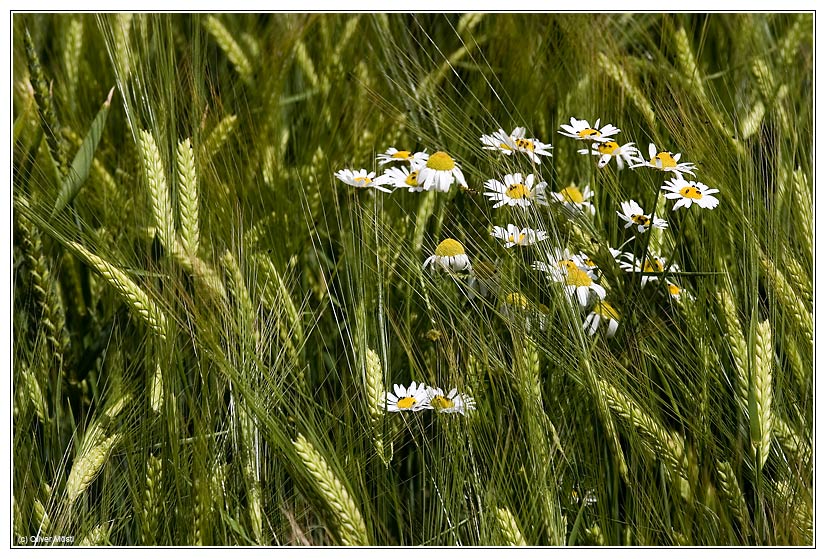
(449, 256)
(361, 179)
(439, 173)
(602, 313)
(690, 192)
(577, 282)
(634, 216)
(513, 235)
(516, 142)
(575, 200)
(665, 161)
(515, 192)
(412, 398)
(653, 265)
(581, 130)
(620, 255)
(404, 177)
(392, 155)
(454, 402)
(622, 154)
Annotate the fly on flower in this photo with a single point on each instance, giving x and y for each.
(453, 402)
(634, 216)
(392, 155)
(516, 142)
(439, 173)
(666, 161)
(449, 256)
(513, 235)
(581, 130)
(412, 398)
(625, 154)
(690, 192)
(603, 313)
(361, 179)
(515, 192)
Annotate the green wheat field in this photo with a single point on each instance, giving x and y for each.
(347, 279)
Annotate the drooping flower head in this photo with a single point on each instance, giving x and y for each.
(449, 256)
(404, 177)
(453, 402)
(439, 173)
(392, 155)
(575, 200)
(604, 313)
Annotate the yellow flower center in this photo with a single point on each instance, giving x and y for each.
(365, 180)
(517, 239)
(606, 311)
(441, 403)
(640, 219)
(691, 192)
(524, 144)
(441, 161)
(518, 190)
(653, 266)
(572, 194)
(578, 277)
(589, 133)
(666, 160)
(590, 263)
(673, 289)
(401, 155)
(412, 179)
(505, 146)
(517, 300)
(608, 148)
(450, 247)
(567, 264)
(406, 403)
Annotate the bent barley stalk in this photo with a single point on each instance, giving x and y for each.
(349, 522)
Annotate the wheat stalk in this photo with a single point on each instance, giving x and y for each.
(155, 175)
(508, 527)
(760, 393)
(137, 299)
(348, 519)
(188, 197)
(230, 47)
(218, 136)
(375, 395)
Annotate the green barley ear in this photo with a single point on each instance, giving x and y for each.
(374, 391)
(137, 299)
(730, 489)
(72, 49)
(230, 47)
(45, 107)
(618, 74)
(511, 535)
(99, 535)
(218, 137)
(348, 520)
(188, 197)
(156, 389)
(760, 393)
(302, 58)
(152, 511)
(737, 345)
(35, 395)
(41, 517)
(155, 175)
(785, 294)
(87, 467)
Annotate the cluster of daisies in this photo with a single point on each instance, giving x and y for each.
(419, 397)
(578, 275)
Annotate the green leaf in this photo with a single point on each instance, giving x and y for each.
(82, 162)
